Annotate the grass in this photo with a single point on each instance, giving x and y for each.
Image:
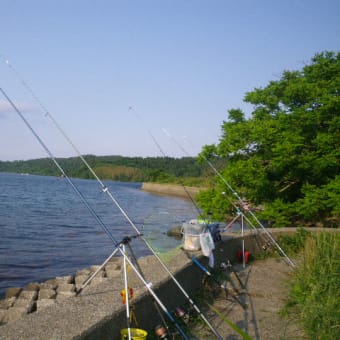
(292, 244)
(314, 296)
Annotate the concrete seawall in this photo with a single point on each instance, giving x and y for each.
(171, 189)
(98, 312)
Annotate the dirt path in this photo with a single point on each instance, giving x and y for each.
(266, 289)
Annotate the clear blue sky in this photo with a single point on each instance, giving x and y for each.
(180, 64)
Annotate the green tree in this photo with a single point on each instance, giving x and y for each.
(285, 157)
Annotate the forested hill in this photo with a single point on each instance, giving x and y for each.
(160, 169)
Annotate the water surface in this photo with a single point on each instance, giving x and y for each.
(47, 231)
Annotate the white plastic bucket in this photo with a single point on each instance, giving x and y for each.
(192, 234)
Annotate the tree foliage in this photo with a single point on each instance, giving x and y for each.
(118, 168)
(285, 157)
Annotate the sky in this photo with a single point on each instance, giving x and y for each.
(148, 77)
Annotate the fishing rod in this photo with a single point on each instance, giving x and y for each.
(94, 214)
(193, 304)
(107, 191)
(242, 203)
(163, 154)
(127, 298)
(59, 128)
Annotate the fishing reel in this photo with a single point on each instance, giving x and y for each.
(226, 266)
(162, 332)
(182, 315)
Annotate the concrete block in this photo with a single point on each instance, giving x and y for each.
(65, 295)
(113, 269)
(3, 313)
(14, 313)
(65, 279)
(49, 285)
(66, 287)
(85, 271)
(44, 303)
(27, 304)
(113, 266)
(112, 273)
(94, 268)
(116, 260)
(12, 291)
(28, 295)
(33, 286)
(80, 279)
(98, 279)
(100, 273)
(47, 293)
(7, 303)
(52, 282)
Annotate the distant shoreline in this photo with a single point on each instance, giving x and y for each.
(171, 190)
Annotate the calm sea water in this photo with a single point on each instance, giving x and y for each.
(47, 231)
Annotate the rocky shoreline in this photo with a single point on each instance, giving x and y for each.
(37, 296)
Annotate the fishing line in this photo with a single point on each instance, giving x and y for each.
(94, 214)
(242, 203)
(164, 155)
(107, 191)
(59, 167)
(59, 128)
(218, 336)
(149, 132)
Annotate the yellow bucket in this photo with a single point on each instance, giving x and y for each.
(136, 334)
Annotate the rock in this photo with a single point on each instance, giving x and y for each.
(7, 303)
(14, 313)
(80, 279)
(175, 232)
(94, 268)
(63, 295)
(33, 286)
(49, 285)
(112, 266)
(29, 305)
(116, 259)
(98, 279)
(12, 291)
(52, 282)
(43, 303)
(3, 314)
(28, 295)
(47, 293)
(85, 271)
(65, 279)
(66, 287)
(112, 270)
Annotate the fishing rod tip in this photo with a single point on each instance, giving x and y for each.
(166, 132)
(4, 59)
